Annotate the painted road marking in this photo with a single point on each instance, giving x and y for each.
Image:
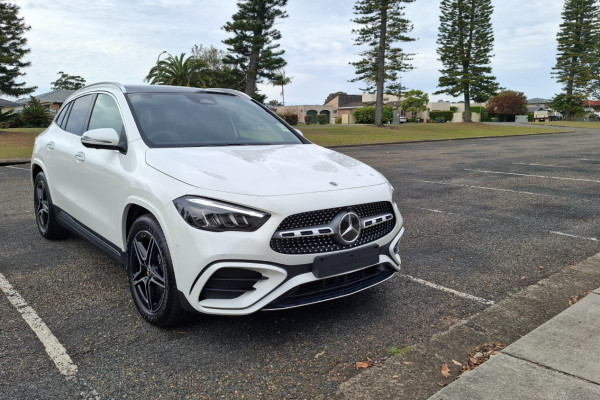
(22, 169)
(448, 290)
(506, 216)
(56, 351)
(540, 165)
(496, 189)
(449, 213)
(574, 236)
(534, 176)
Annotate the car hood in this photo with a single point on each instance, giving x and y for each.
(263, 170)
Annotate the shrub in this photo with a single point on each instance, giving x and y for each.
(446, 115)
(35, 115)
(366, 115)
(338, 121)
(321, 119)
(453, 109)
(530, 117)
(291, 119)
(308, 119)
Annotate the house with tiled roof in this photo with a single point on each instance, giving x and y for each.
(536, 104)
(52, 100)
(6, 105)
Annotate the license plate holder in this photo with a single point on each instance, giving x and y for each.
(335, 264)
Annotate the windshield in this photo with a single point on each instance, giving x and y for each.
(205, 119)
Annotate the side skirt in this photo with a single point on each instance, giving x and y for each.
(77, 227)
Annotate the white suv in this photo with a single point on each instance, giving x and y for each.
(213, 203)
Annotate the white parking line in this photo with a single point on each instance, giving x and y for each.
(448, 290)
(540, 165)
(489, 220)
(55, 350)
(448, 213)
(574, 236)
(23, 169)
(533, 176)
(496, 189)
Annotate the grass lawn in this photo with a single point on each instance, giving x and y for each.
(17, 142)
(336, 135)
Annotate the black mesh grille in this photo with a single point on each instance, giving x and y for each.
(331, 288)
(323, 244)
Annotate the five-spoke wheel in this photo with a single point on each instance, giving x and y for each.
(151, 277)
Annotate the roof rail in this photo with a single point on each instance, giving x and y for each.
(120, 86)
(229, 91)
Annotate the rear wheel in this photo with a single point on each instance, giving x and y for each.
(151, 276)
(45, 214)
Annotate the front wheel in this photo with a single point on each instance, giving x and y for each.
(150, 271)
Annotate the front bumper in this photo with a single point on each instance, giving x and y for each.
(270, 286)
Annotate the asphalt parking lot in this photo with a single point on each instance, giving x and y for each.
(484, 219)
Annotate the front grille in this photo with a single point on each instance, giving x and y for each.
(327, 243)
(331, 288)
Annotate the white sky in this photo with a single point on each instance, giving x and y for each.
(119, 40)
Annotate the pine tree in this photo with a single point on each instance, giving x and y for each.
(465, 42)
(12, 50)
(577, 50)
(252, 48)
(383, 24)
(68, 82)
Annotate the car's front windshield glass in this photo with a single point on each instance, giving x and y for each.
(205, 119)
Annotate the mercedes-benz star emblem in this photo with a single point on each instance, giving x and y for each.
(348, 228)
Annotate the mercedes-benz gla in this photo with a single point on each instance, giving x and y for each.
(212, 203)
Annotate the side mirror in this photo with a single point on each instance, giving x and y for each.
(299, 132)
(102, 138)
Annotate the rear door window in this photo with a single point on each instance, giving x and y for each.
(77, 119)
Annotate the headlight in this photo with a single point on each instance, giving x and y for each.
(217, 216)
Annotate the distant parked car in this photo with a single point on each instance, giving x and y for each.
(212, 202)
(402, 119)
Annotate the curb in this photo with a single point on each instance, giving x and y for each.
(14, 161)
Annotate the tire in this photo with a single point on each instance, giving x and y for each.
(45, 214)
(150, 271)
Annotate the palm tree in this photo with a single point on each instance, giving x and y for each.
(280, 79)
(178, 71)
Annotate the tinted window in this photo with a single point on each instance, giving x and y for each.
(78, 115)
(106, 115)
(61, 120)
(205, 119)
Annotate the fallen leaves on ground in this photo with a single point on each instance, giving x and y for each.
(480, 354)
(575, 299)
(368, 364)
(445, 371)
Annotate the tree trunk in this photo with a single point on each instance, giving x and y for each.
(467, 106)
(381, 68)
(250, 89)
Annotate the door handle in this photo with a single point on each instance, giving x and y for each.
(79, 156)
(50, 145)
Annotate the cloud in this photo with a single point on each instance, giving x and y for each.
(120, 40)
